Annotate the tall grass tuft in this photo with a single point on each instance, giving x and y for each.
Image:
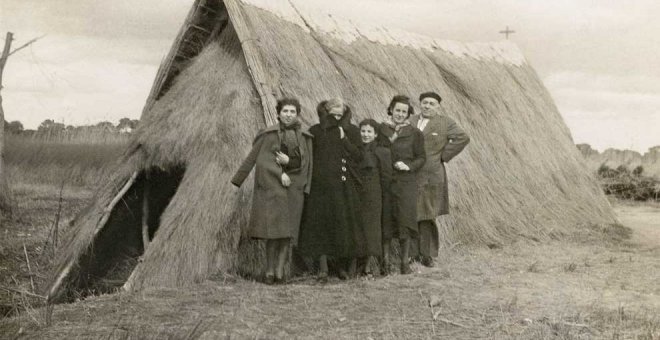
(55, 159)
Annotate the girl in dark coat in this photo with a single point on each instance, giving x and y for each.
(408, 156)
(376, 175)
(282, 154)
(330, 221)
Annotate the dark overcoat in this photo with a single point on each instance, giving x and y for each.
(409, 149)
(276, 210)
(443, 140)
(375, 210)
(330, 221)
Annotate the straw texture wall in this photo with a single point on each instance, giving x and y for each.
(206, 120)
(521, 176)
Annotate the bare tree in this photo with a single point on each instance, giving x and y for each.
(5, 194)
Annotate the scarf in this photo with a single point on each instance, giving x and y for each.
(396, 127)
(293, 126)
(369, 160)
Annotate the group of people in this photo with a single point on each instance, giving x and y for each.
(344, 192)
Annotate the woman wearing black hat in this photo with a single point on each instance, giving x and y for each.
(330, 225)
(407, 146)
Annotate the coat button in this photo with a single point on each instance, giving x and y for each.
(343, 178)
(343, 168)
(343, 160)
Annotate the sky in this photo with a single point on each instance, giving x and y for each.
(97, 60)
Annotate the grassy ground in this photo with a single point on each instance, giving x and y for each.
(599, 284)
(29, 236)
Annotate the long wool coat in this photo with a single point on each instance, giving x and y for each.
(408, 148)
(330, 221)
(276, 210)
(443, 140)
(375, 210)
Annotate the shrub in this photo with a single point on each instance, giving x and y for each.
(605, 171)
(622, 169)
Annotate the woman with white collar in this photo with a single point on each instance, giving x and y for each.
(408, 156)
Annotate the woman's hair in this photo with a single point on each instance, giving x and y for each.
(403, 100)
(287, 101)
(335, 102)
(370, 122)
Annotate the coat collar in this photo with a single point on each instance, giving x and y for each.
(430, 126)
(406, 130)
(276, 128)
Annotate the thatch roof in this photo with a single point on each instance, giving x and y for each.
(521, 176)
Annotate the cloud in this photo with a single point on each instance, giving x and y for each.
(81, 92)
(73, 108)
(604, 82)
(607, 110)
(597, 58)
(620, 133)
(151, 19)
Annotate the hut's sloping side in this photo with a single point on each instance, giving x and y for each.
(87, 227)
(521, 174)
(206, 120)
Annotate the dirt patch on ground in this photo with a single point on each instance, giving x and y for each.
(595, 285)
(644, 219)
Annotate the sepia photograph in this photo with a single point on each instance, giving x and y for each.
(308, 169)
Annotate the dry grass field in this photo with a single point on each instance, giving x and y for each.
(599, 283)
(78, 162)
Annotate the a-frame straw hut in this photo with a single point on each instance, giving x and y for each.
(521, 176)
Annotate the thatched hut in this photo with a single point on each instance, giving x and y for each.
(520, 177)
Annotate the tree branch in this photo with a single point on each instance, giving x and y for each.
(26, 45)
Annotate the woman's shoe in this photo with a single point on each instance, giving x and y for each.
(405, 268)
(385, 269)
(427, 261)
(269, 280)
(323, 277)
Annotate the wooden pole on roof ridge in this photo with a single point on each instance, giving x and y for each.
(166, 65)
(254, 61)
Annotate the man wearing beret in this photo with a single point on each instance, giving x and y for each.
(443, 140)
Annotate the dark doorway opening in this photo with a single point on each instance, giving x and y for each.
(117, 248)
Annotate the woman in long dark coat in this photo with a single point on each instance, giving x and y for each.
(408, 156)
(282, 154)
(376, 175)
(330, 222)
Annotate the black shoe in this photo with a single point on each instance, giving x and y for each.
(343, 275)
(405, 269)
(323, 277)
(385, 269)
(427, 261)
(269, 280)
(280, 280)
